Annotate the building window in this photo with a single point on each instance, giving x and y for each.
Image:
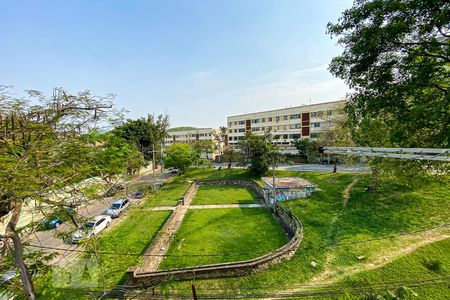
(241, 130)
(294, 126)
(296, 116)
(230, 131)
(241, 122)
(277, 118)
(263, 120)
(285, 136)
(329, 112)
(295, 136)
(285, 117)
(254, 121)
(314, 114)
(230, 138)
(270, 119)
(315, 124)
(255, 129)
(241, 138)
(313, 135)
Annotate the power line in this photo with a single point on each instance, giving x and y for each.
(244, 254)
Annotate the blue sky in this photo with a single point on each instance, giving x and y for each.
(197, 61)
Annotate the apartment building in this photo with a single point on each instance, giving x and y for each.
(286, 124)
(190, 135)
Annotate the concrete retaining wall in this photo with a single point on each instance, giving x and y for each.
(289, 222)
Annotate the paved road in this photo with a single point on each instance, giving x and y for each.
(313, 168)
(50, 238)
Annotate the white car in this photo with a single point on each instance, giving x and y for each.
(91, 228)
(118, 207)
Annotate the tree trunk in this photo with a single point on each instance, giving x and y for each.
(335, 165)
(11, 233)
(374, 181)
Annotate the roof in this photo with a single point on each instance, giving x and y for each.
(288, 182)
(288, 108)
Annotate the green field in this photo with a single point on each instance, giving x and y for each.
(249, 231)
(132, 236)
(392, 210)
(167, 194)
(223, 194)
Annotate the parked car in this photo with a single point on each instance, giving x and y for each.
(173, 170)
(53, 220)
(91, 228)
(118, 207)
(114, 190)
(138, 194)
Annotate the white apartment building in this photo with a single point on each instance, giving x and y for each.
(191, 136)
(286, 124)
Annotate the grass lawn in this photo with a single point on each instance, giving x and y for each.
(224, 231)
(223, 194)
(168, 194)
(393, 209)
(428, 261)
(132, 235)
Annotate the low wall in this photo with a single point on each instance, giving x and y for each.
(289, 222)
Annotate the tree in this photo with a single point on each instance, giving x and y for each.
(114, 155)
(180, 156)
(306, 148)
(204, 147)
(158, 131)
(396, 60)
(230, 155)
(41, 152)
(136, 132)
(258, 151)
(221, 138)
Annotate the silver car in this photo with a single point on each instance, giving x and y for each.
(91, 228)
(118, 207)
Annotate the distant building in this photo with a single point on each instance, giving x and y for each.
(286, 124)
(191, 135)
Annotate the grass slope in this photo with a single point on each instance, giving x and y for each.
(167, 194)
(393, 209)
(224, 231)
(223, 194)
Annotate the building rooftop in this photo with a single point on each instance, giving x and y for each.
(288, 182)
(288, 108)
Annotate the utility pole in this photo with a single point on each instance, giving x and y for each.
(153, 166)
(161, 158)
(273, 182)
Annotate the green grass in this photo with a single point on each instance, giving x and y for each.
(133, 235)
(168, 194)
(393, 209)
(428, 261)
(223, 194)
(224, 231)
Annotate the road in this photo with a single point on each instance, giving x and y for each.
(51, 239)
(312, 168)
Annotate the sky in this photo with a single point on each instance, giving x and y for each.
(197, 61)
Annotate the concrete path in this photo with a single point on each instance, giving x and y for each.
(155, 253)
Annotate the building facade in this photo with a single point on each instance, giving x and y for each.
(192, 136)
(286, 125)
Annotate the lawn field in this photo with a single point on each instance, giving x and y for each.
(366, 220)
(167, 194)
(132, 236)
(223, 194)
(249, 231)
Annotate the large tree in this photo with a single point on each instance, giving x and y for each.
(396, 59)
(42, 151)
(181, 156)
(258, 152)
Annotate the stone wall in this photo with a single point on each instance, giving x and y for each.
(289, 222)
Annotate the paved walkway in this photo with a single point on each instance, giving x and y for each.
(155, 253)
